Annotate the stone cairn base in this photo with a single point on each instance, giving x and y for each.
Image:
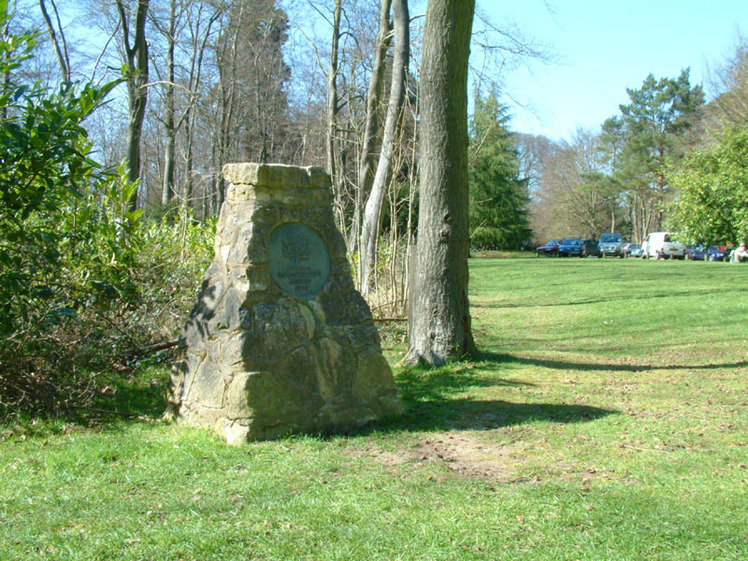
(279, 340)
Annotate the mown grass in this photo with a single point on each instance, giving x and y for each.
(607, 418)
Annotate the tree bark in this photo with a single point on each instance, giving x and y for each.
(332, 117)
(366, 164)
(170, 129)
(372, 218)
(136, 53)
(440, 314)
(60, 45)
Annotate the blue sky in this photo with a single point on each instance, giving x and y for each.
(603, 47)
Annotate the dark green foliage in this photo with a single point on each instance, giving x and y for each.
(83, 278)
(661, 111)
(44, 171)
(649, 135)
(712, 202)
(498, 196)
(655, 124)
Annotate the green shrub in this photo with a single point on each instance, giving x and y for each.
(84, 279)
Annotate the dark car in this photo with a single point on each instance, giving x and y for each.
(549, 248)
(590, 248)
(569, 247)
(704, 253)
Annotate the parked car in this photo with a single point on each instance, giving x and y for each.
(550, 248)
(707, 253)
(569, 247)
(661, 245)
(590, 248)
(720, 253)
(632, 250)
(611, 245)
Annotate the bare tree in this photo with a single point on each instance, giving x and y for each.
(366, 163)
(372, 217)
(333, 107)
(186, 27)
(57, 38)
(200, 34)
(170, 129)
(135, 48)
(730, 82)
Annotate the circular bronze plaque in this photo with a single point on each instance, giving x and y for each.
(297, 260)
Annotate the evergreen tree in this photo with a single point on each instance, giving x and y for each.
(655, 127)
(498, 196)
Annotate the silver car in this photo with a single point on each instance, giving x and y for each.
(611, 245)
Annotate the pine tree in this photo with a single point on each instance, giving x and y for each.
(498, 196)
(655, 127)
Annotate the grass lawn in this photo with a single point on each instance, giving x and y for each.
(607, 418)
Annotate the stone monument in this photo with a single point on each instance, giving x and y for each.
(279, 340)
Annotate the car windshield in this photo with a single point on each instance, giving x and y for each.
(610, 238)
(572, 241)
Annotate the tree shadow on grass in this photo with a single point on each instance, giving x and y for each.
(495, 359)
(433, 398)
(586, 301)
(430, 402)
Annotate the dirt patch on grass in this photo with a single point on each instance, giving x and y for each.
(462, 453)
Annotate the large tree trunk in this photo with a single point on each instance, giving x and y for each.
(440, 322)
(372, 219)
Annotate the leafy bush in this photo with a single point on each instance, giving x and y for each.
(83, 278)
(712, 203)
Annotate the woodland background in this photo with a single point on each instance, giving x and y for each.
(118, 117)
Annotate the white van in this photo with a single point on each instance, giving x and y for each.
(660, 245)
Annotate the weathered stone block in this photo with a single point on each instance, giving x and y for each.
(208, 388)
(270, 176)
(279, 340)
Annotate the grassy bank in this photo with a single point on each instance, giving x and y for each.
(607, 418)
